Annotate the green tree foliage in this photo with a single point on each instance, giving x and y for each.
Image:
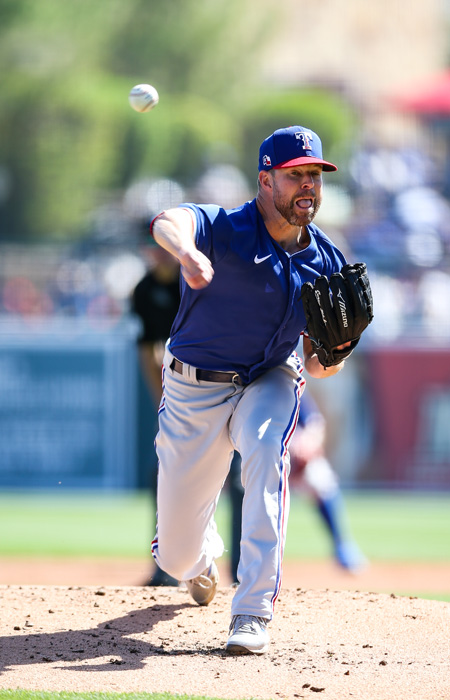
(69, 138)
(209, 49)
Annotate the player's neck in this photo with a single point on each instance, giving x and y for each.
(291, 238)
(297, 242)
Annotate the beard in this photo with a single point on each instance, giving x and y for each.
(289, 211)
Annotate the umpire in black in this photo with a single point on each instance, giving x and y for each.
(155, 302)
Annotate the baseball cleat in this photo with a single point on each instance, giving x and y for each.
(248, 635)
(203, 587)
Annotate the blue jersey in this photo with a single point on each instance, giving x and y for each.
(250, 317)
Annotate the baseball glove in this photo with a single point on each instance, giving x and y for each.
(337, 311)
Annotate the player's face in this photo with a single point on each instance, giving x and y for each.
(297, 193)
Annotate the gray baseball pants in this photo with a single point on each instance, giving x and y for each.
(201, 423)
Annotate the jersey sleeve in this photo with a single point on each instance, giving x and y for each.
(335, 262)
(211, 229)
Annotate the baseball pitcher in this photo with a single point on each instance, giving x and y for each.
(254, 279)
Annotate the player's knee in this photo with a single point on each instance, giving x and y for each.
(266, 446)
(175, 566)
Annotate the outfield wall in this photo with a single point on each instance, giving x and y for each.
(389, 417)
(68, 410)
(75, 412)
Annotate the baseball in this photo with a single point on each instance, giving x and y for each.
(143, 97)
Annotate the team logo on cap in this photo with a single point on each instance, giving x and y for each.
(306, 137)
(266, 161)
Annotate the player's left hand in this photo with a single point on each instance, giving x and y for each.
(337, 311)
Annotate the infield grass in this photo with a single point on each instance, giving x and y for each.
(388, 526)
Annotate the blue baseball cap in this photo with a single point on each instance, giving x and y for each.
(295, 145)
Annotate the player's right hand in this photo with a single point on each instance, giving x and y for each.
(196, 269)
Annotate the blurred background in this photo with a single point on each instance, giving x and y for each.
(81, 174)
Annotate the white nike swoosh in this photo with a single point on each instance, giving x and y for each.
(260, 260)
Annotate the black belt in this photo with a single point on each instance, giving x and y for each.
(208, 375)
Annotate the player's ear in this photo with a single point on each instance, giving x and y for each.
(265, 179)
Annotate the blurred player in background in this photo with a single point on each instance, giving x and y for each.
(312, 473)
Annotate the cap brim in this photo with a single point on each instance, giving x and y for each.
(306, 161)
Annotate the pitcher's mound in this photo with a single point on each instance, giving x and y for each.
(332, 644)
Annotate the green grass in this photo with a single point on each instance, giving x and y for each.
(388, 527)
(40, 695)
(83, 524)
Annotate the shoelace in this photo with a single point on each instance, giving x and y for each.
(247, 623)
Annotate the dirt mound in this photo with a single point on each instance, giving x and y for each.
(334, 644)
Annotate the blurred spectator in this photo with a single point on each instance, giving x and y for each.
(222, 184)
(434, 302)
(22, 297)
(389, 169)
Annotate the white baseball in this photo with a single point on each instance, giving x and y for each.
(143, 97)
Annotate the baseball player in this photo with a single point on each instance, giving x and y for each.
(254, 279)
(312, 472)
